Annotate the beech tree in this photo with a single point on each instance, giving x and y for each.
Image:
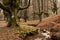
(40, 13)
(13, 7)
(25, 13)
(54, 8)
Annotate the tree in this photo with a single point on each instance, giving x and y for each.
(40, 13)
(34, 15)
(54, 8)
(25, 15)
(46, 11)
(25, 12)
(12, 7)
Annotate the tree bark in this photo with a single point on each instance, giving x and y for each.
(13, 21)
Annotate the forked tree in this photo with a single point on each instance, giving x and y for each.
(13, 7)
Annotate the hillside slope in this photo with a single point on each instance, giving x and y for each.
(50, 22)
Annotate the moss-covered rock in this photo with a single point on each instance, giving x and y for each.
(28, 30)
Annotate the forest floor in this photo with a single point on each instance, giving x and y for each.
(47, 23)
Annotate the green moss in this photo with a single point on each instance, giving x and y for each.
(28, 30)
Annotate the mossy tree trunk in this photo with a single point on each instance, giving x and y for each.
(12, 8)
(13, 21)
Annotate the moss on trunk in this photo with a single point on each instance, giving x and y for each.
(13, 21)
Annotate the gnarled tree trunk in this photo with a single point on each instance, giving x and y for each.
(12, 7)
(13, 21)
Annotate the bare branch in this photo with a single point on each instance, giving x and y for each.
(4, 8)
(25, 7)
